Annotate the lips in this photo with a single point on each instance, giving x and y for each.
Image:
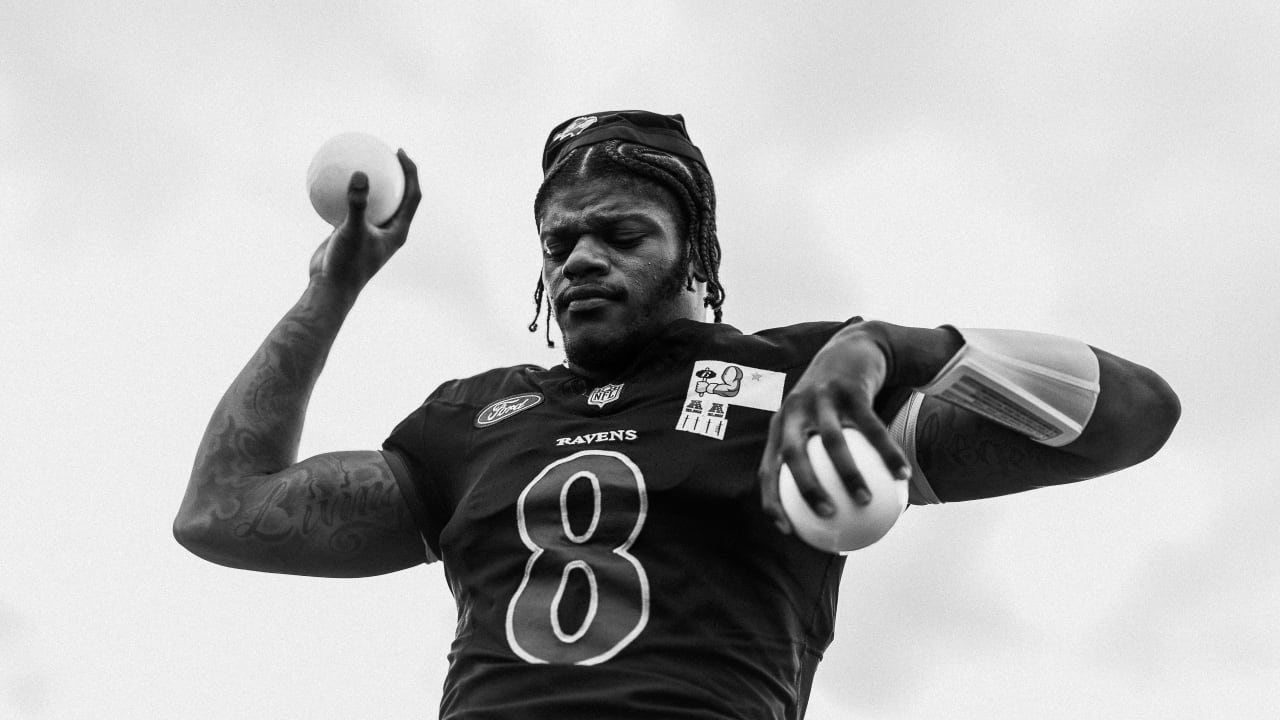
(585, 297)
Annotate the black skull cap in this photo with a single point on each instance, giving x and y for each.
(660, 132)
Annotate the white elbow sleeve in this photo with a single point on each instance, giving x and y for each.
(1043, 386)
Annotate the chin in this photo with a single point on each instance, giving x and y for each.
(604, 343)
(598, 352)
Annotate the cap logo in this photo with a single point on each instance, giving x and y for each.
(500, 410)
(575, 128)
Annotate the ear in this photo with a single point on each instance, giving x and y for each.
(695, 269)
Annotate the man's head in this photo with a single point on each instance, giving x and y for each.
(616, 178)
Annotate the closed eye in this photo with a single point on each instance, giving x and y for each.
(628, 239)
(554, 247)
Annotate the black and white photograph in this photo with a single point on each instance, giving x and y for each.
(675, 360)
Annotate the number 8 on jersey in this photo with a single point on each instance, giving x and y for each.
(617, 605)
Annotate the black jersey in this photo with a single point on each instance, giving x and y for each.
(606, 545)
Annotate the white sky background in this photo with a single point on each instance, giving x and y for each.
(1105, 170)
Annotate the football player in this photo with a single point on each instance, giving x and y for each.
(611, 527)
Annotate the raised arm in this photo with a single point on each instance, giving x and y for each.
(249, 503)
(862, 376)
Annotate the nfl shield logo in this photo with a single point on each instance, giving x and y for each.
(604, 395)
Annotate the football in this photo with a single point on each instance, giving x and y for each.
(852, 526)
(330, 174)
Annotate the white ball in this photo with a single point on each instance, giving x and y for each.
(852, 526)
(330, 174)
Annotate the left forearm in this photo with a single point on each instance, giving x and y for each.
(1013, 411)
(913, 355)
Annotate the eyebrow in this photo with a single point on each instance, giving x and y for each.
(605, 217)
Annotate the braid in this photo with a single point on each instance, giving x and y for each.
(692, 185)
(541, 288)
(689, 182)
(537, 311)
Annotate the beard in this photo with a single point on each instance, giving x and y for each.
(607, 355)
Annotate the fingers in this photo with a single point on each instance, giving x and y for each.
(878, 435)
(836, 392)
(826, 413)
(797, 428)
(789, 434)
(770, 466)
(412, 192)
(357, 198)
(831, 426)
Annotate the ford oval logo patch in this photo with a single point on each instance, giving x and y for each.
(500, 410)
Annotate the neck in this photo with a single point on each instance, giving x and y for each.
(606, 363)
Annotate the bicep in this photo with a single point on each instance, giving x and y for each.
(336, 515)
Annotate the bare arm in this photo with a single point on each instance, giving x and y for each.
(249, 503)
(963, 455)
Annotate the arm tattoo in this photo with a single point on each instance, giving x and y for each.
(258, 424)
(336, 514)
(287, 366)
(966, 457)
(334, 501)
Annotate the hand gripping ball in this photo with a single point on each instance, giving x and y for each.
(852, 526)
(330, 174)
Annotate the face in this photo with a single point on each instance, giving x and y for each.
(613, 265)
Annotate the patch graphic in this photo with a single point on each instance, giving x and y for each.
(604, 395)
(714, 386)
(500, 410)
(575, 127)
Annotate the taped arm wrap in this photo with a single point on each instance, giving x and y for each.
(1043, 386)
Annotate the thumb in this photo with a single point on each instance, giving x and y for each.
(357, 198)
(317, 258)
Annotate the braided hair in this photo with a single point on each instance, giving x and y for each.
(688, 182)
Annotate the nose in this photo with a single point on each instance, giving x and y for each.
(589, 256)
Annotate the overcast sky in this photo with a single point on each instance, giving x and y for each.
(1104, 170)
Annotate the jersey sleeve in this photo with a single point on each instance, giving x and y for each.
(802, 341)
(399, 465)
(415, 452)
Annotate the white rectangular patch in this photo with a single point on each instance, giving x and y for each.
(715, 385)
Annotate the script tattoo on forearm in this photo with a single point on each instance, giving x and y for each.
(974, 458)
